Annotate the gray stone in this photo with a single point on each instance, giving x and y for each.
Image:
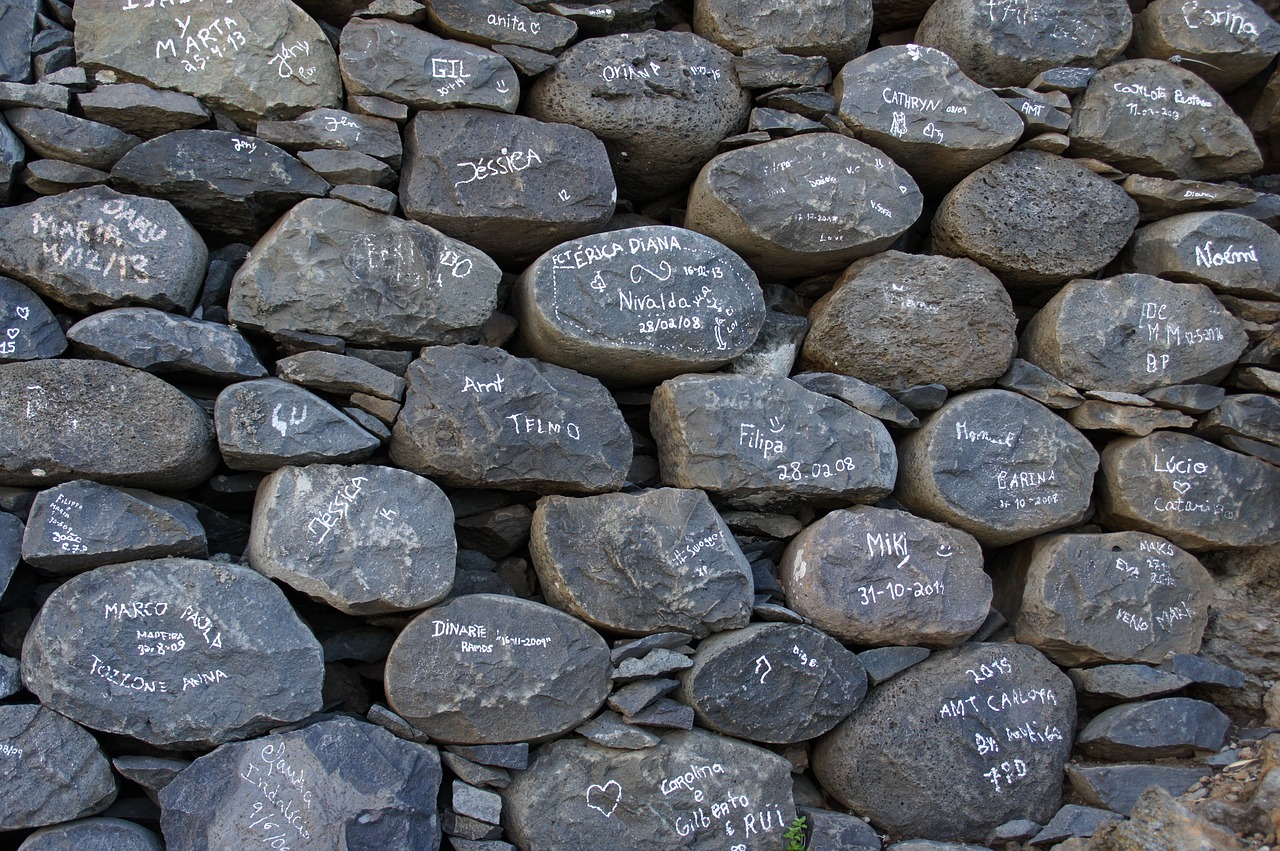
(141, 110)
(876, 576)
(487, 669)
(53, 769)
(1228, 45)
(1119, 397)
(1073, 820)
(767, 68)
(62, 420)
(328, 267)
(257, 59)
(51, 177)
(1193, 492)
(35, 95)
(95, 248)
(885, 663)
(364, 539)
(336, 778)
(178, 653)
(1154, 118)
(996, 746)
(336, 130)
(340, 374)
(1159, 198)
(1017, 830)
(836, 32)
(916, 105)
(1009, 42)
(12, 155)
(152, 773)
(1040, 113)
(1230, 252)
(610, 730)
(1203, 671)
(1125, 682)
(655, 663)
(1094, 415)
(686, 792)
(1033, 382)
(1254, 416)
(402, 63)
(639, 305)
(1188, 398)
(776, 683)
(227, 184)
(370, 197)
(807, 101)
(1157, 820)
(775, 348)
(10, 669)
(514, 756)
(56, 135)
(349, 168)
(635, 696)
(922, 398)
(29, 329)
(474, 773)
(491, 22)
(476, 803)
(769, 525)
(511, 186)
(659, 119)
(17, 30)
(634, 649)
(496, 533)
(997, 465)
(1117, 787)
(641, 563)
(94, 834)
(829, 830)
(527, 61)
(897, 320)
(1035, 219)
(268, 423)
(1154, 729)
(664, 713)
(152, 340)
(81, 525)
(789, 213)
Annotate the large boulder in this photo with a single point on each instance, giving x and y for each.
(835, 31)
(1226, 44)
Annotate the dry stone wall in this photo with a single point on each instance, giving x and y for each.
(698, 424)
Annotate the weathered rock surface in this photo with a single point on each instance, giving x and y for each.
(142, 110)
(1253, 416)
(837, 32)
(1171, 727)
(1230, 252)
(340, 374)
(492, 22)
(805, 205)
(94, 248)
(639, 305)
(1035, 219)
(1158, 820)
(689, 792)
(864, 396)
(636, 564)
(478, 417)
(11, 532)
(1193, 492)
(486, 669)
(1228, 44)
(898, 320)
(997, 465)
(175, 652)
(876, 576)
(64, 420)
(1117, 787)
(19, 27)
(28, 329)
(371, 279)
(1159, 198)
(57, 135)
(152, 340)
(336, 130)
(93, 834)
(997, 721)
(52, 768)
(1116, 683)
(336, 778)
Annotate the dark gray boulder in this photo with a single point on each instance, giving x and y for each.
(1154, 729)
(364, 539)
(338, 779)
(1117, 787)
(12, 153)
(152, 340)
(93, 248)
(996, 720)
(1230, 252)
(93, 834)
(175, 652)
(641, 563)
(11, 532)
(491, 22)
(837, 32)
(487, 669)
(28, 329)
(59, 136)
(142, 110)
(336, 130)
(52, 768)
(63, 419)
(1227, 45)
(341, 374)
(1116, 683)
(876, 576)
(17, 29)
(476, 416)
(1253, 416)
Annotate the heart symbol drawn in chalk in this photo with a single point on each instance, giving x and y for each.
(604, 799)
(23, 312)
(1182, 487)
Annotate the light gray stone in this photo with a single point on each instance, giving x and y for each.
(152, 340)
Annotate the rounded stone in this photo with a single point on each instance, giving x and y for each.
(997, 465)
(1035, 219)
(51, 768)
(805, 205)
(877, 576)
(1230, 252)
(835, 29)
(486, 669)
(996, 721)
(1225, 43)
(365, 539)
(93, 834)
(902, 320)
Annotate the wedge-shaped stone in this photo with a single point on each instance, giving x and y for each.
(1226, 44)
(837, 32)
(1230, 252)
(155, 341)
(53, 769)
(1170, 727)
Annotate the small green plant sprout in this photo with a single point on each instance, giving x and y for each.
(795, 833)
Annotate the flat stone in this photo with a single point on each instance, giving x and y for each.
(370, 279)
(474, 773)
(1157, 820)
(12, 155)
(609, 730)
(514, 756)
(1073, 820)
(30, 330)
(10, 675)
(141, 110)
(390, 798)
(53, 770)
(636, 648)
(779, 123)
(639, 305)
(1226, 47)
(1188, 490)
(531, 63)
(1159, 198)
(1229, 252)
(69, 419)
(634, 564)
(659, 121)
(876, 576)
(94, 834)
(1203, 671)
(336, 130)
(997, 465)
(1118, 787)
(57, 135)
(805, 28)
(1188, 398)
(268, 423)
(775, 348)
(635, 696)
(807, 101)
(1255, 416)
(1256, 378)
(402, 63)
(370, 197)
(349, 168)
(1126, 682)
(491, 22)
(885, 663)
(223, 656)
(487, 669)
(762, 523)
(257, 59)
(767, 67)
(1033, 382)
(1125, 419)
(476, 803)
(18, 25)
(143, 252)
(650, 797)
(152, 340)
(364, 539)
(922, 398)
(222, 182)
(1154, 729)
(52, 177)
(665, 713)
(996, 747)
(340, 374)
(829, 830)
(1035, 219)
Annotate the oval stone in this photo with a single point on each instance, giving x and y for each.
(155, 341)
(805, 205)
(68, 419)
(364, 539)
(877, 576)
(997, 465)
(837, 31)
(485, 669)
(639, 305)
(51, 769)
(1230, 252)
(175, 652)
(1227, 43)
